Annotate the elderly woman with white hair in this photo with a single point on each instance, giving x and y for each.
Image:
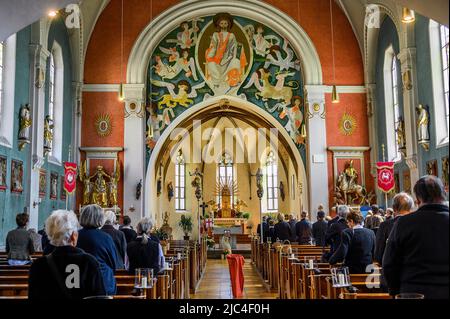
(117, 236)
(99, 244)
(144, 252)
(66, 264)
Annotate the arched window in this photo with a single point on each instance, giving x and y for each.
(55, 101)
(392, 103)
(7, 88)
(271, 168)
(225, 174)
(439, 46)
(180, 183)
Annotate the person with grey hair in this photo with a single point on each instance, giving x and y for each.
(416, 258)
(117, 236)
(333, 235)
(48, 275)
(402, 205)
(143, 252)
(99, 244)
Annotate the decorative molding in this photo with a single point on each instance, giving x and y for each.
(104, 153)
(411, 161)
(38, 162)
(347, 89)
(349, 149)
(101, 88)
(134, 97)
(349, 152)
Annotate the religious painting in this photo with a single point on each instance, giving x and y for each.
(3, 164)
(432, 168)
(54, 185)
(225, 54)
(16, 176)
(61, 189)
(407, 181)
(42, 183)
(445, 172)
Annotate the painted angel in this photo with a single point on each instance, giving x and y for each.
(275, 58)
(183, 63)
(187, 37)
(181, 93)
(262, 43)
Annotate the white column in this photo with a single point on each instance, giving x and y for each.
(407, 58)
(135, 149)
(317, 142)
(38, 67)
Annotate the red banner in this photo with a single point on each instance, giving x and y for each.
(70, 177)
(385, 174)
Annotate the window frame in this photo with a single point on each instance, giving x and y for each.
(228, 168)
(180, 187)
(271, 174)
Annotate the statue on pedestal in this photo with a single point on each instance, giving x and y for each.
(24, 126)
(113, 186)
(423, 121)
(99, 192)
(48, 134)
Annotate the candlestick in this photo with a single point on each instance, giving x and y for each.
(144, 282)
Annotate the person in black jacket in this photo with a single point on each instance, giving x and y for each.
(416, 259)
(265, 228)
(333, 235)
(143, 252)
(130, 233)
(71, 265)
(282, 229)
(117, 236)
(303, 230)
(292, 222)
(357, 245)
(319, 229)
(402, 205)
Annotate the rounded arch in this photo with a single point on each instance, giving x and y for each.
(150, 187)
(254, 9)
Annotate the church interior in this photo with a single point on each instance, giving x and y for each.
(228, 139)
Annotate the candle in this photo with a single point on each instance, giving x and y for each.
(144, 282)
(311, 264)
(292, 256)
(179, 256)
(341, 279)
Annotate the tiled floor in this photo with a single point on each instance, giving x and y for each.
(216, 284)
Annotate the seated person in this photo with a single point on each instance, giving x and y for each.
(357, 245)
(48, 275)
(19, 244)
(144, 252)
(117, 236)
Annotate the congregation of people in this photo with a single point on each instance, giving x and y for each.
(95, 244)
(409, 241)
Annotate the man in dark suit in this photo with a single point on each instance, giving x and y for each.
(319, 229)
(416, 259)
(282, 229)
(130, 233)
(292, 222)
(333, 235)
(303, 230)
(402, 205)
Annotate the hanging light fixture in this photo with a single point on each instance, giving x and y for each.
(121, 94)
(334, 93)
(408, 16)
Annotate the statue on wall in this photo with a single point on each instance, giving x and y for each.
(2, 173)
(24, 126)
(48, 134)
(99, 191)
(138, 190)
(113, 186)
(423, 121)
(87, 185)
(170, 191)
(347, 188)
(401, 139)
(259, 183)
(445, 172)
(197, 182)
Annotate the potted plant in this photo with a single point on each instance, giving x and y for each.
(246, 215)
(186, 224)
(163, 238)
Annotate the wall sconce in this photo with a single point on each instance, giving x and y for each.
(408, 16)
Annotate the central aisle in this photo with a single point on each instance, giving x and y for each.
(216, 283)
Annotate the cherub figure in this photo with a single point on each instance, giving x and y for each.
(275, 58)
(183, 63)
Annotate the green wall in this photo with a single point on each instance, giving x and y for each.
(11, 204)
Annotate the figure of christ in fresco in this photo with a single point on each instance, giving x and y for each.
(223, 69)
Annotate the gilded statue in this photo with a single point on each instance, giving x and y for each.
(48, 134)
(24, 126)
(197, 182)
(422, 126)
(113, 186)
(99, 191)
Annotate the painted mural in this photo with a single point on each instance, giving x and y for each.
(225, 55)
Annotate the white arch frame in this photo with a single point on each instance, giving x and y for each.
(8, 94)
(150, 203)
(252, 9)
(169, 20)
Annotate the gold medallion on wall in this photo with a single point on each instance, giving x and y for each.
(347, 124)
(103, 125)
